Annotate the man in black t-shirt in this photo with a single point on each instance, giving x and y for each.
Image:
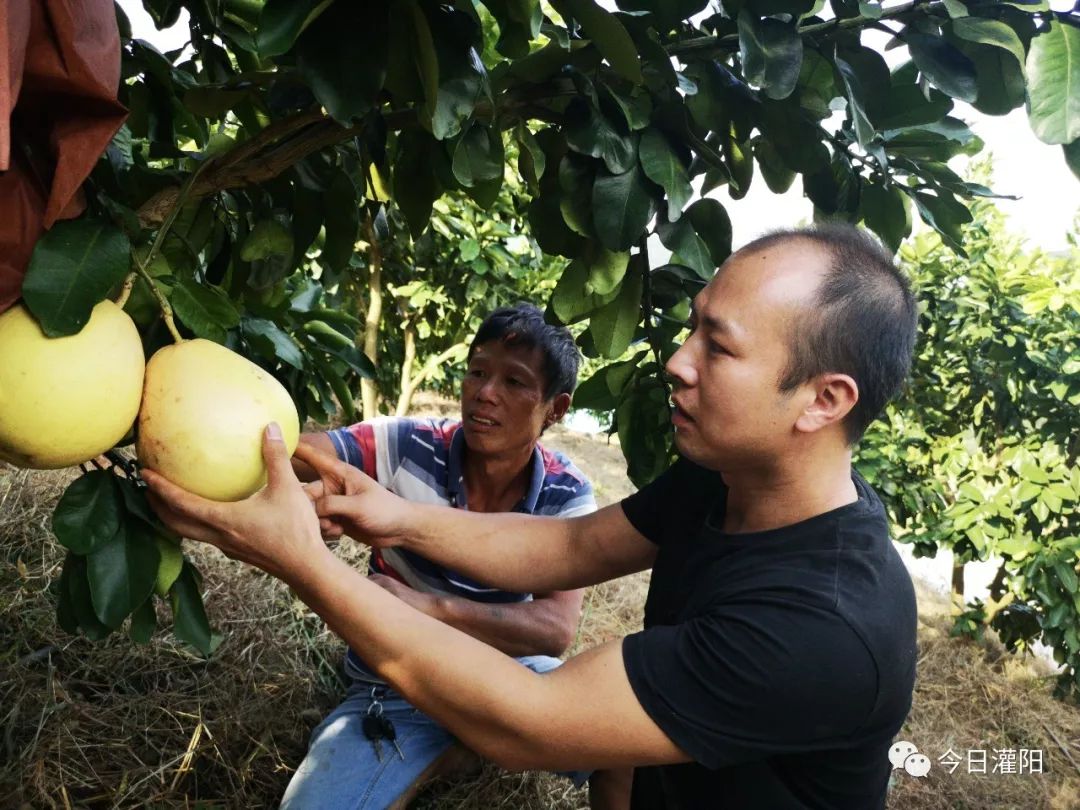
(777, 660)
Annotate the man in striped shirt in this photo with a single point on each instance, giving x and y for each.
(520, 376)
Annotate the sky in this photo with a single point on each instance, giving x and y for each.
(1024, 166)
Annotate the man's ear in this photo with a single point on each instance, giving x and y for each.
(559, 406)
(834, 397)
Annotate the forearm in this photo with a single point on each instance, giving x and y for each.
(473, 690)
(537, 627)
(507, 550)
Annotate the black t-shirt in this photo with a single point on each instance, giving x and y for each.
(782, 661)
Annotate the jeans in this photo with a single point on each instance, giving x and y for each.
(341, 770)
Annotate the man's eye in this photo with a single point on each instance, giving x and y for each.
(716, 348)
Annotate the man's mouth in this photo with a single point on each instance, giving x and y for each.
(482, 420)
(681, 412)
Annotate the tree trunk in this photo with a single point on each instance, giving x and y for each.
(407, 384)
(369, 394)
(958, 588)
(429, 368)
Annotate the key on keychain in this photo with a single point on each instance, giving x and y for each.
(390, 733)
(374, 730)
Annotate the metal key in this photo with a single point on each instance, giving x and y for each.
(373, 729)
(390, 733)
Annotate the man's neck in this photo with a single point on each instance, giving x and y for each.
(760, 500)
(496, 483)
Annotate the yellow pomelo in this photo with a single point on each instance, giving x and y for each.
(202, 419)
(65, 400)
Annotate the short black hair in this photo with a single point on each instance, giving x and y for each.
(523, 325)
(862, 320)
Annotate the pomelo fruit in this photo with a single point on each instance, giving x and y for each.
(65, 400)
(202, 419)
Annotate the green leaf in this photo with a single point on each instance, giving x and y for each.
(990, 32)
(532, 160)
(121, 573)
(1067, 577)
(1053, 70)
(778, 177)
(342, 222)
(73, 267)
(864, 130)
(946, 215)
(280, 24)
(143, 622)
(588, 132)
(712, 224)
(206, 310)
(607, 33)
(588, 283)
(478, 156)
(662, 165)
(190, 624)
(613, 325)
(681, 238)
(771, 53)
(622, 205)
(65, 606)
(89, 512)
(340, 346)
(415, 186)
(1072, 157)
(886, 213)
(549, 228)
(1002, 86)
(268, 238)
(272, 341)
(576, 178)
(904, 105)
(944, 65)
(635, 107)
(82, 606)
(342, 57)
(425, 56)
(171, 561)
(462, 76)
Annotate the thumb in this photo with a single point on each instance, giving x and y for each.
(276, 457)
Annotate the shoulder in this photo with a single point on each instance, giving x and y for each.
(565, 490)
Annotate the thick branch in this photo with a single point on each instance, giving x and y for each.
(368, 392)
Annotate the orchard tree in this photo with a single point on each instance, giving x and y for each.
(288, 132)
(981, 453)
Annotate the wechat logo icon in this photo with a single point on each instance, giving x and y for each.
(905, 755)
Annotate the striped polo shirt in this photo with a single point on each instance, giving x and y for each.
(422, 460)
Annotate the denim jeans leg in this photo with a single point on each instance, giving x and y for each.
(341, 770)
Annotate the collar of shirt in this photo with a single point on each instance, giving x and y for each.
(455, 484)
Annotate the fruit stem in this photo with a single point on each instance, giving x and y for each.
(159, 238)
(125, 291)
(163, 303)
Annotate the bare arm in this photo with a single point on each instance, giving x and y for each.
(506, 550)
(583, 715)
(545, 625)
(322, 443)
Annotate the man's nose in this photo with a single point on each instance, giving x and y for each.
(680, 368)
(487, 390)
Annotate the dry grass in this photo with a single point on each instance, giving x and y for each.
(118, 725)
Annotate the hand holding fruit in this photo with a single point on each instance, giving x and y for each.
(349, 502)
(276, 529)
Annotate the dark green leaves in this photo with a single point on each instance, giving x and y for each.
(204, 309)
(122, 572)
(662, 164)
(590, 133)
(280, 23)
(612, 326)
(608, 34)
(944, 64)
(1072, 157)
(74, 266)
(771, 53)
(272, 341)
(622, 205)
(946, 215)
(89, 512)
(342, 222)
(588, 283)
(1053, 70)
(189, 616)
(342, 57)
(478, 156)
(864, 130)
(415, 184)
(701, 239)
(462, 76)
(885, 211)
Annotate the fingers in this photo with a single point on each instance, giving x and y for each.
(184, 527)
(320, 462)
(182, 503)
(279, 469)
(332, 506)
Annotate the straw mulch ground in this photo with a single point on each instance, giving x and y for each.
(118, 725)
